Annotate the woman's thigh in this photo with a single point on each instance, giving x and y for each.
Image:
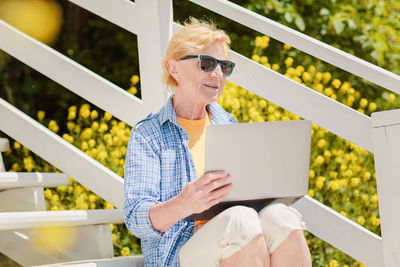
(221, 237)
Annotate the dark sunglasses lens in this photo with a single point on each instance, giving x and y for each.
(226, 67)
(207, 63)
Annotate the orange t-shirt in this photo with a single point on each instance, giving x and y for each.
(196, 130)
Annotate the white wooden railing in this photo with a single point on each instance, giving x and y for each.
(151, 21)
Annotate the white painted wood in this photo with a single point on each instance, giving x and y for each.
(36, 219)
(123, 13)
(4, 144)
(152, 43)
(341, 232)
(301, 100)
(386, 139)
(22, 199)
(90, 242)
(61, 154)
(71, 75)
(127, 261)
(31, 179)
(304, 43)
(385, 118)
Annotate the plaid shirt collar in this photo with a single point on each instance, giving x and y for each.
(218, 114)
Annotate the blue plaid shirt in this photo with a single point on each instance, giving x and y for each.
(158, 166)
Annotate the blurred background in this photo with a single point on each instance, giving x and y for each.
(342, 175)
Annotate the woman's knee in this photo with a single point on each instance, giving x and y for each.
(278, 222)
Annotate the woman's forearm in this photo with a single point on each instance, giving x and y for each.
(164, 215)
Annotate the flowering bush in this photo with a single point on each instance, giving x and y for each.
(342, 174)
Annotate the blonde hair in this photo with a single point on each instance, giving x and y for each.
(195, 35)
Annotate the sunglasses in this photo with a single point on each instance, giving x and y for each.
(209, 63)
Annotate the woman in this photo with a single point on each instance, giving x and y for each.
(165, 181)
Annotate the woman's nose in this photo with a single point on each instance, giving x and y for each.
(217, 71)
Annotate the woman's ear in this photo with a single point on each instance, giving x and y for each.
(173, 69)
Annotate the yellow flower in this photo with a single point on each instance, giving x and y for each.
(255, 57)
(372, 107)
(84, 146)
(311, 69)
(319, 160)
(360, 220)
(262, 103)
(92, 142)
(16, 145)
(264, 60)
(356, 192)
(306, 77)
(62, 188)
(94, 114)
(47, 193)
(333, 263)
(103, 127)
(374, 220)
(114, 238)
(71, 114)
(92, 198)
(343, 213)
(286, 47)
(134, 79)
(125, 251)
(258, 41)
(132, 90)
(54, 199)
(68, 138)
(392, 97)
(312, 174)
(326, 77)
(264, 41)
(319, 87)
(275, 67)
(102, 156)
(70, 125)
(374, 198)
(107, 116)
(320, 182)
(311, 192)
(367, 176)
(95, 125)
(363, 102)
(72, 108)
(53, 126)
(87, 133)
(318, 77)
(40, 115)
(84, 112)
(334, 185)
(321, 143)
(288, 62)
(108, 206)
(336, 83)
(355, 181)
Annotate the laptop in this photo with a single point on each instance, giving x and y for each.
(268, 161)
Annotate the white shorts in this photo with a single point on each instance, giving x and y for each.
(235, 227)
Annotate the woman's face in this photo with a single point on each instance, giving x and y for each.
(199, 86)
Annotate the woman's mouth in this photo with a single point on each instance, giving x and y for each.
(212, 86)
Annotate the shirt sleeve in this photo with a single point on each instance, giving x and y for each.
(141, 185)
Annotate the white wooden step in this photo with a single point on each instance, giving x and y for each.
(36, 219)
(129, 261)
(30, 247)
(29, 179)
(4, 144)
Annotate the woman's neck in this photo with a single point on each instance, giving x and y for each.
(187, 109)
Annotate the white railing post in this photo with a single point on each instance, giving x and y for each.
(386, 142)
(152, 43)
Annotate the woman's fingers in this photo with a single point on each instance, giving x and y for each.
(217, 183)
(210, 176)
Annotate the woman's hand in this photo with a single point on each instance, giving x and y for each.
(197, 196)
(203, 193)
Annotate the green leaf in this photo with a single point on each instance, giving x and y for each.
(300, 23)
(324, 11)
(338, 25)
(288, 17)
